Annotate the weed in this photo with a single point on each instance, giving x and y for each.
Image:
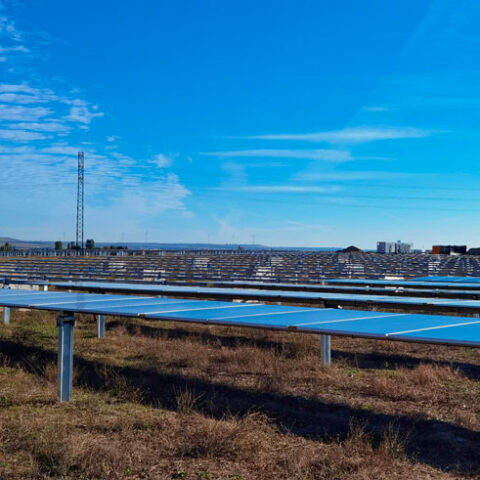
(394, 442)
(186, 400)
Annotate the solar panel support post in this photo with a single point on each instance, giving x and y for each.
(66, 325)
(6, 315)
(101, 326)
(325, 350)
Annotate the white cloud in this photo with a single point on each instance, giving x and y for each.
(15, 88)
(38, 157)
(349, 176)
(81, 112)
(283, 189)
(20, 135)
(22, 114)
(22, 98)
(61, 149)
(350, 135)
(326, 155)
(18, 48)
(162, 161)
(375, 108)
(41, 127)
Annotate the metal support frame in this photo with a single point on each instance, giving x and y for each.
(325, 350)
(101, 326)
(66, 324)
(6, 315)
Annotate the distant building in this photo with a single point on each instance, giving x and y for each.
(394, 247)
(385, 247)
(449, 249)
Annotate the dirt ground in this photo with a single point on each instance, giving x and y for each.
(160, 400)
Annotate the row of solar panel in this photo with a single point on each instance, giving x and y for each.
(405, 283)
(274, 265)
(408, 327)
(278, 295)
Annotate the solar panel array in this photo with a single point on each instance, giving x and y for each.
(449, 279)
(303, 297)
(427, 290)
(394, 326)
(471, 284)
(278, 266)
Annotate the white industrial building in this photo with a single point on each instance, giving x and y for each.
(394, 247)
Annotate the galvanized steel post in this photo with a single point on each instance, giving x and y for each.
(66, 324)
(101, 326)
(6, 315)
(325, 350)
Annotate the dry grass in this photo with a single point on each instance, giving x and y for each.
(168, 401)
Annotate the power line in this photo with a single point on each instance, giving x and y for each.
(80, 200)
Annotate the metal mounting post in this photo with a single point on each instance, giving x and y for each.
(101, 326)
(65, 324)
(325, 350)
(6, 315)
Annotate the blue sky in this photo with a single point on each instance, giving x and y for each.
(296, 123)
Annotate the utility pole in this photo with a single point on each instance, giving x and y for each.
(80, 201)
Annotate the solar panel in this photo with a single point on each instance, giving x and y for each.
(364, 324)
(328, 321)
(448, 279)
(388, 289)
(278, 295)
(404, 283)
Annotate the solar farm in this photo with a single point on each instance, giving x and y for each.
(271, 265)
(122, 368)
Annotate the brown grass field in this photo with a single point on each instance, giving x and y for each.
(171, 401)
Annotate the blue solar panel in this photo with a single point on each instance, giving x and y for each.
(247, 293)
(463, 332)
(409, 327)
(448, 279)
(403, 283)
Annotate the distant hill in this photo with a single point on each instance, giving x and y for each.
(352, 249)
(26, 244)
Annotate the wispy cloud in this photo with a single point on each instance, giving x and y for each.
(375, 108)
(11, 39)
(21, 98)
(350, 135)
(21, 135)
(324, 154)
(22, 114)
(163, 161)
(349, 176)
(42, 125)
(81, 112)
(299, 189)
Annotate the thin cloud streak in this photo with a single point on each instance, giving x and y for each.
(21, 135)
(351, 175)
(349, 135)
(323, 154)
(282, 189)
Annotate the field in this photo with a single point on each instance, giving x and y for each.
(169, 401)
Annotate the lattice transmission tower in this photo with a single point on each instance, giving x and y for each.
(80, 200)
